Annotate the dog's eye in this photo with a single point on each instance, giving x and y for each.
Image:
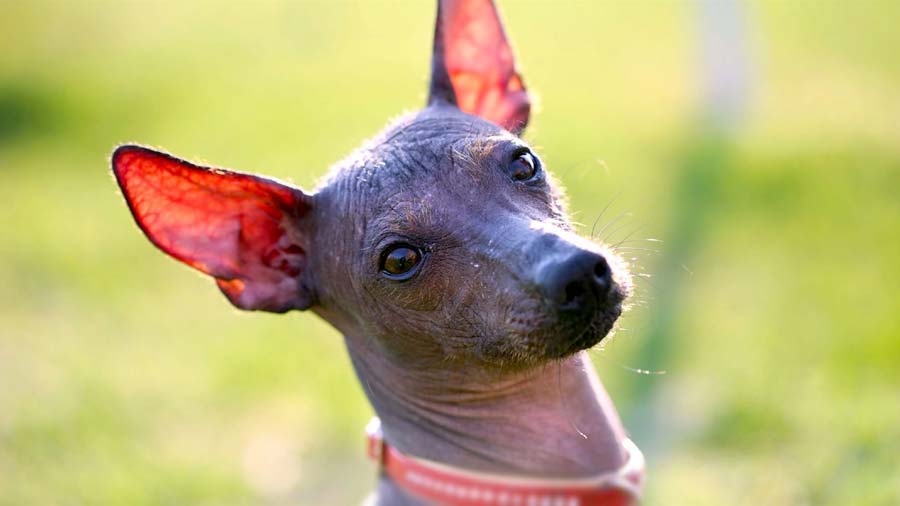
(523, 167)
(400, 262)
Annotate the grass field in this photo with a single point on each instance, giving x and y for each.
(773, 304)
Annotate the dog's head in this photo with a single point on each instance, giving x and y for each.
(444, 239)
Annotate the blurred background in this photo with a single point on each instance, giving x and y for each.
(748, 154)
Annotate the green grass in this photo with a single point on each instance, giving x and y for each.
(126, 378)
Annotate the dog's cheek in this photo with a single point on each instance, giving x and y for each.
(425, 295)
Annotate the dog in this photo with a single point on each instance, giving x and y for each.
(442, 251)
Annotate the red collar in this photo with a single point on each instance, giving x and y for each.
(452, 486)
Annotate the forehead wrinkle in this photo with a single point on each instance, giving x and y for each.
(473, 155)
(481, 147)
(425, 128)
(404, 213)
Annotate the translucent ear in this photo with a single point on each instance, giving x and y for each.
(242, 229)
(473, 66)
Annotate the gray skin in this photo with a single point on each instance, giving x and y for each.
(477, 360)
(474, 359)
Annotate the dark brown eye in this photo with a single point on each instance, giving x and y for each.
(523, 167)
(400, 262)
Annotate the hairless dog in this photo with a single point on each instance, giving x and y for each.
(442, 251)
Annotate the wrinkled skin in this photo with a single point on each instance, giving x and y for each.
(437, 180)
(471, 361)
(473, 357)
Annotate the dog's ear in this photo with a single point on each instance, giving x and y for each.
(473, 66)
(246, 231)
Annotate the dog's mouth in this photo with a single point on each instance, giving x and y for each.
(585, 330)
(540, 335)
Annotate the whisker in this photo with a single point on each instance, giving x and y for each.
(613, 232)
(628, 236)
(562, 399)
(636, 370)
(564, 171)
(612, 222)
(644, 278)
(613, 199)
(633, 248)
(629, 241)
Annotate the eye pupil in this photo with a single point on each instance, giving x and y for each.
(400, 260)
(523, 167)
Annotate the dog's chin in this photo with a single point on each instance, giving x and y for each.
(539, 337)
(578, 336)
(556, 341)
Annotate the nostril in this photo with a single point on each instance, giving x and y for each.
(602, 276)
(574, 292)
(601, 270)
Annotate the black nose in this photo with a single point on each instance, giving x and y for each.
(582, 280)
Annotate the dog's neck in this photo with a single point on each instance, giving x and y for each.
(552, 421)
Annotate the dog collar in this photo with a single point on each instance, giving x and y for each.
(452, 486)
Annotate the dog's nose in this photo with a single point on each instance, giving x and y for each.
(582, 280)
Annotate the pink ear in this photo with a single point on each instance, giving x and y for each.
(241, 229)
(473, 64)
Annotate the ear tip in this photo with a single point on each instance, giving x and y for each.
(123, 158)
(126, 148)
(123, 150)
(121, 155)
